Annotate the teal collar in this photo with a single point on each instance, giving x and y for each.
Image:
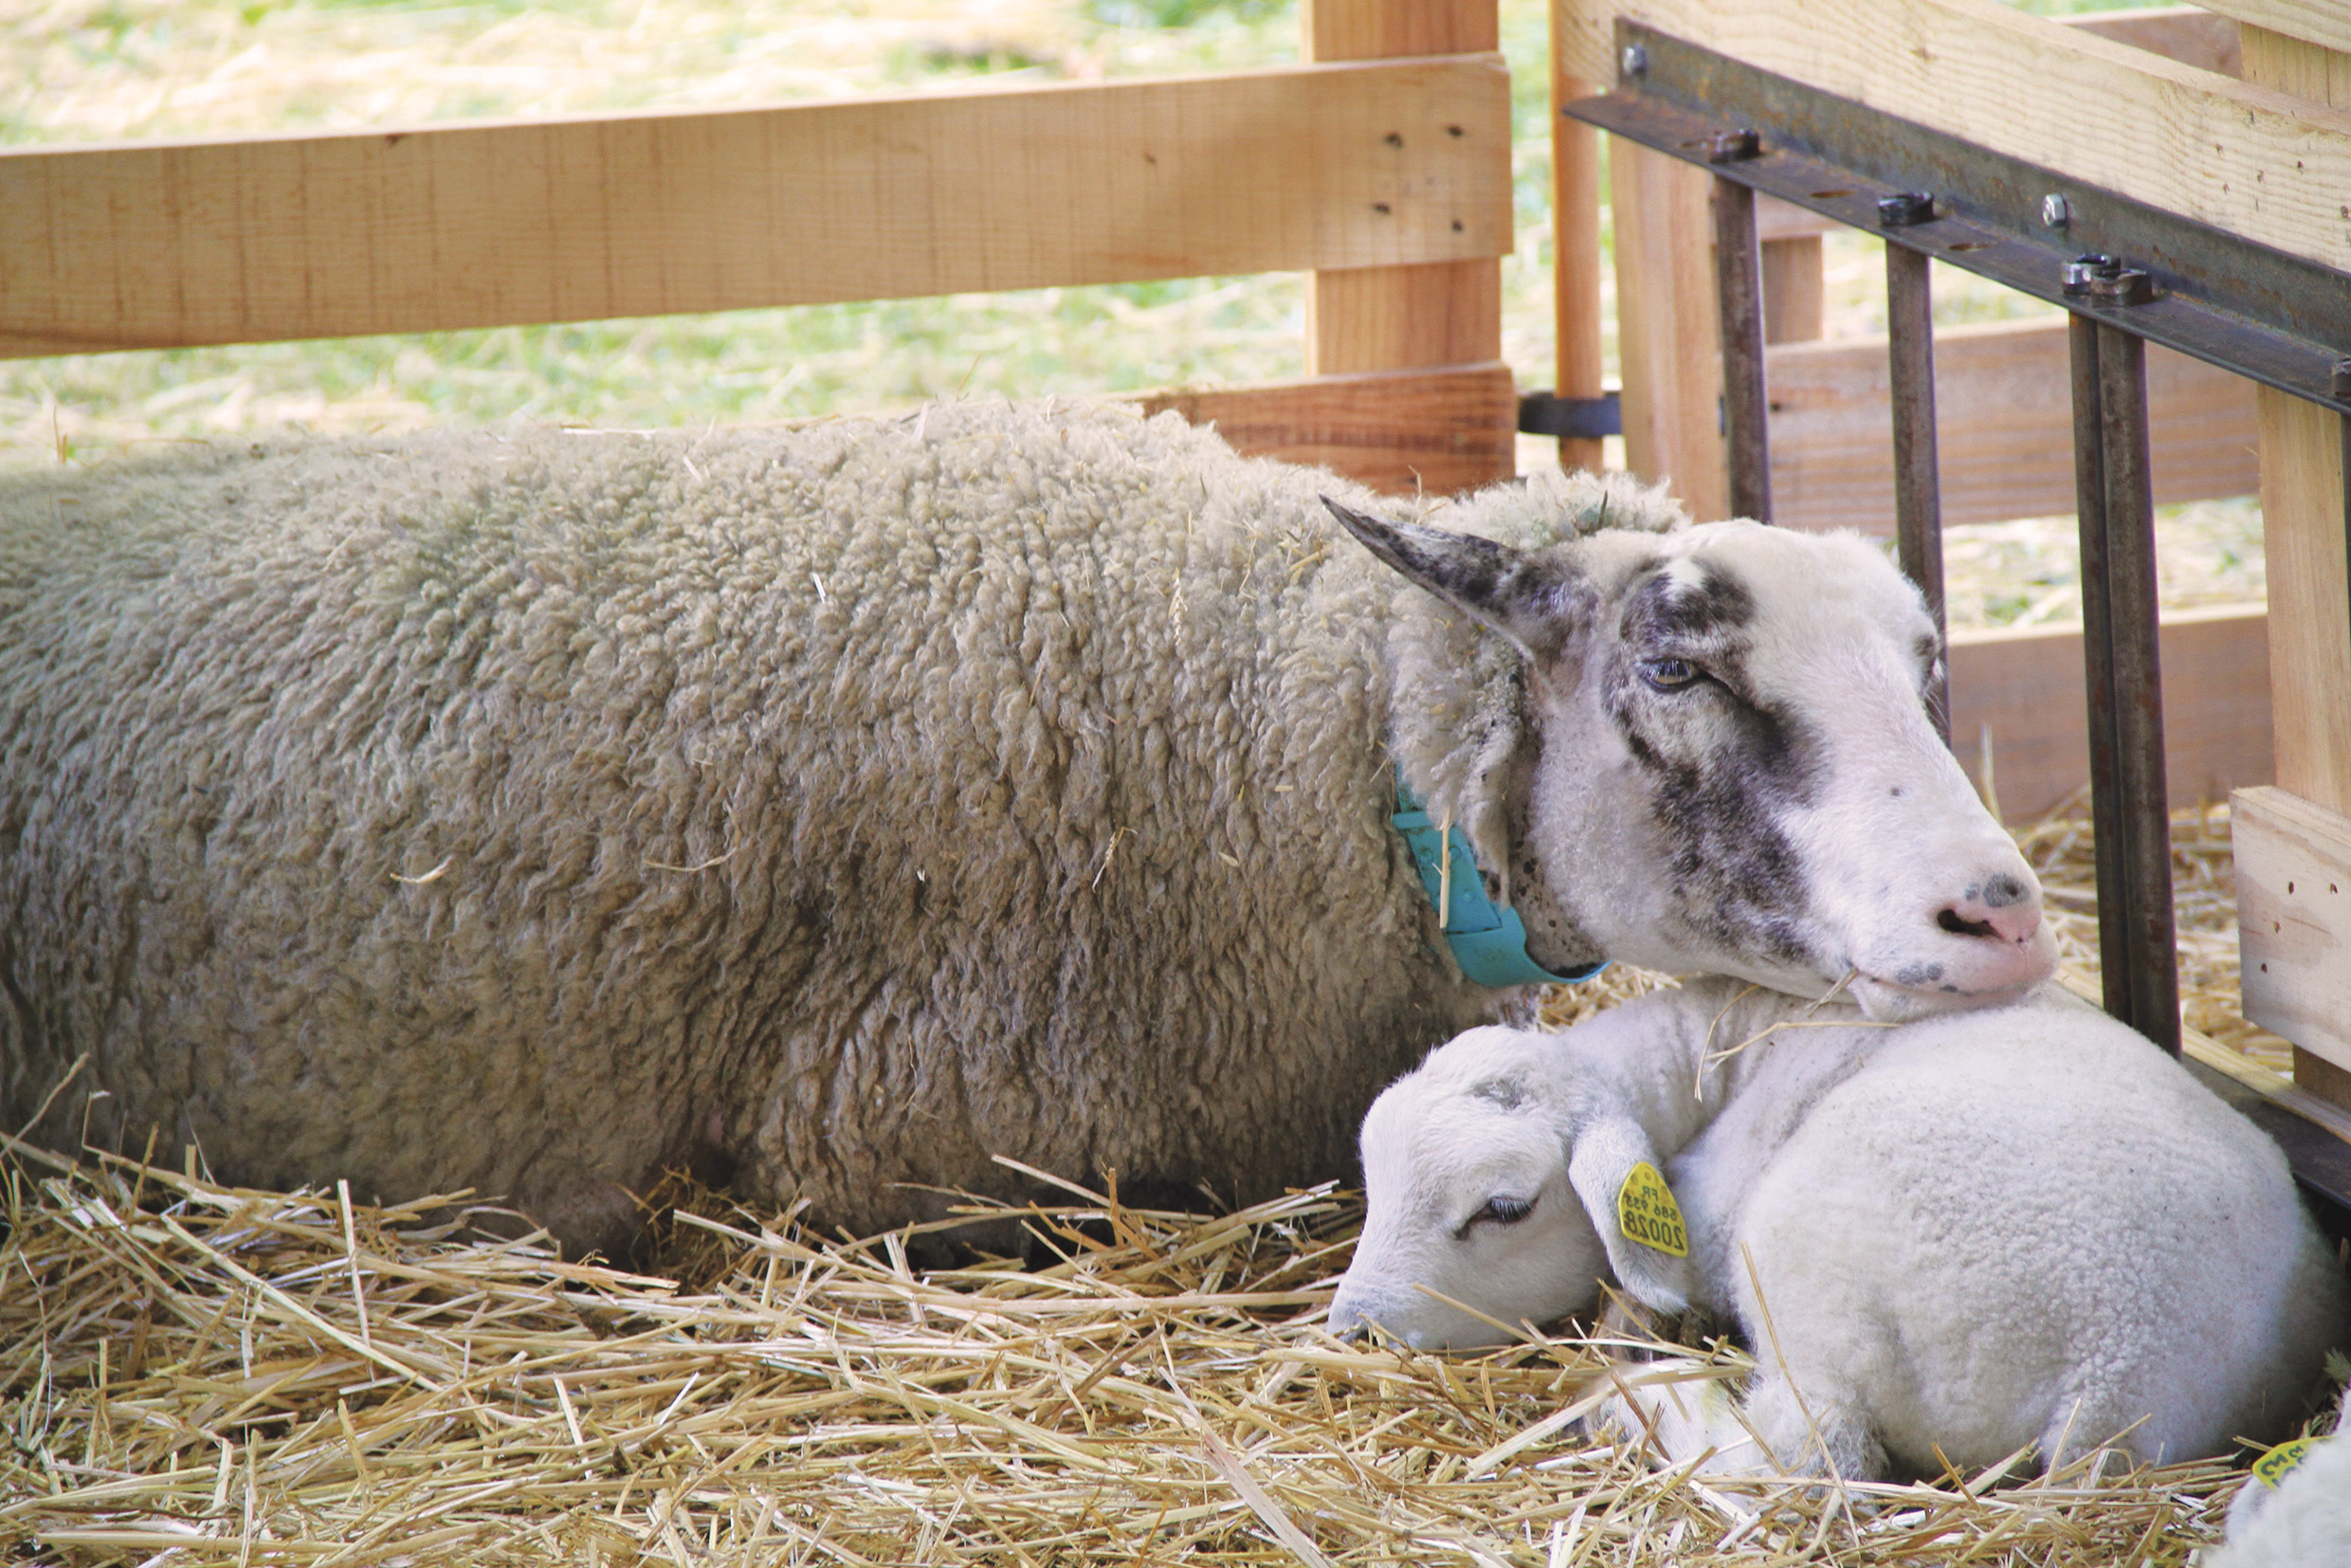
(1490, 944)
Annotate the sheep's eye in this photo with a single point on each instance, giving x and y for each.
(1669, 674)
(1506, 1211)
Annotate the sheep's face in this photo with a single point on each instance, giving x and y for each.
(1729, 765)
(1466, 1173)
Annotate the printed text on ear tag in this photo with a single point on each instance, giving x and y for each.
(2273, 1466)
(1647, 1212)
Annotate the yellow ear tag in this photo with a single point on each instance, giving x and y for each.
(2273, 1466)
(1647, 1212)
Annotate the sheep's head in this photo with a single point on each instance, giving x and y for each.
(1465, 1171)
(1724, 762)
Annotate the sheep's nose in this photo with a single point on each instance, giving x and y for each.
(2003, 908)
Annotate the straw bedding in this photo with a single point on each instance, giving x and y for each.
(200, 1375)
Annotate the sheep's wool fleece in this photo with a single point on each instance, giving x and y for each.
(846, 805)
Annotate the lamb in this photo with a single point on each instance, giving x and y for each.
(1970, 1232)
(833, 810)
(2297, 1519)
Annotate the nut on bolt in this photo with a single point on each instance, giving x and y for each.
(2103, 280)
(2055, 211)
(1906, 208)
(1635, 60)
(1733, 146)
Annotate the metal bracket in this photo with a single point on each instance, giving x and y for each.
(1571, 418)
(2261, 313)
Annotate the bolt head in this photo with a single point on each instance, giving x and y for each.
(1634, 60)
(2055, 211)
(1906, 208)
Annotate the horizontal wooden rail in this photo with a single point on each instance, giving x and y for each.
(159, 246)
(2006, 428)
(1400, 432)
(2025, 687)
(2235, 156)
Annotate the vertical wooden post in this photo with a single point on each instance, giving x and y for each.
(1574, 254)
(1794, 290)
(2303, 522)
(1668, 333)
(1401, 318)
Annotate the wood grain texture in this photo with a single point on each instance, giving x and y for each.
(1403, 432)
(165, 244)
(2233, 155)
(2024, 685)
(2005, 425)
(2190, 34)
(1795, 292)
(1396, 317)
(1575, 258)
(1403, 318)
(1667, 337)
(2293, 889)
(2322, 22)
(2303, 524)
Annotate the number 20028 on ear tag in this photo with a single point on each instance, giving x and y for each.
(2272, 1466)
(1647, 1212)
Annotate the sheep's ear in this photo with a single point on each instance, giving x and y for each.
(1528, 599)
(1613, 1169)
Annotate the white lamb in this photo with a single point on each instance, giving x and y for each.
(2299, 1520)
(1943, 1240)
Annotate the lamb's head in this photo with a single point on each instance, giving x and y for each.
(1724, 763)
(1465, 1168)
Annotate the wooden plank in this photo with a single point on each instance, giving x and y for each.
(1784, 220)
(2190, 34)
(2233, 155)
(2322, 22)
(1403, 432)
(2005, 419)
(2293, 889)
(1668, 339)
(2305, 519)
(2024, 685)
(1575, 259)
(1407, 317)
(450, 227)
(1794, 291)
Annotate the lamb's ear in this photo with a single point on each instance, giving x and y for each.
(1613, 1170)
(1527, 599)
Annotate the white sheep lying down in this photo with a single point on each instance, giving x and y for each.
(2020, 1225)
(845, 806)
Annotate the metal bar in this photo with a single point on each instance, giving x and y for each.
(2143, 806)
(2090, 488)
(1738, 283)
(1918, 483)
(2276, 318)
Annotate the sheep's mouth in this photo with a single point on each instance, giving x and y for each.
(1885, 999)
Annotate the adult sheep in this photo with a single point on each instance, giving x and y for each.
(847, 805)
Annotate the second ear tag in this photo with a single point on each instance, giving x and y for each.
(1647, 1212)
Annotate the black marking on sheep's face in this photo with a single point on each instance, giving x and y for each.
(1722, 763)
